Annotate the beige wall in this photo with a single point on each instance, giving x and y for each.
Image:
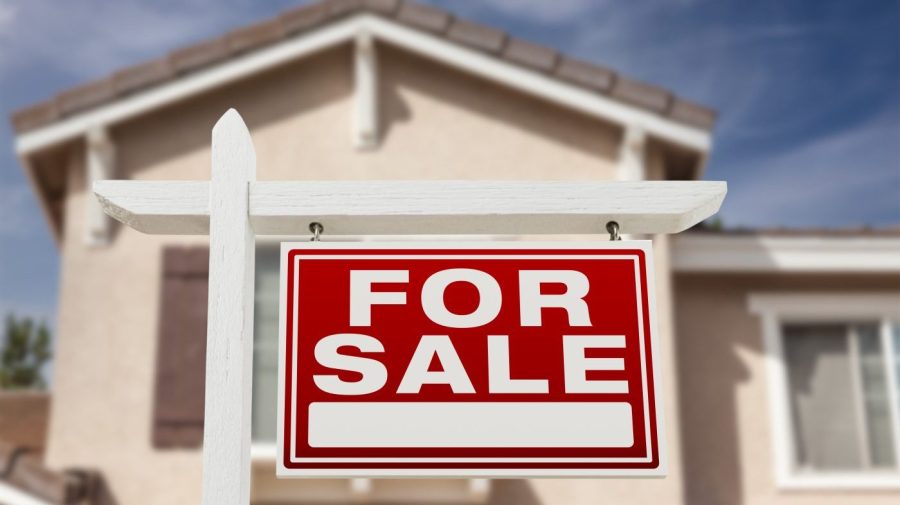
(104, 371)
(436, 124)
(725, 423)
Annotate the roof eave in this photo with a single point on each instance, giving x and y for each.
(712, 253)
(43, 201)
(342, 31)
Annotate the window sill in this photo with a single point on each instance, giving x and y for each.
(841, 482)
(262, 452)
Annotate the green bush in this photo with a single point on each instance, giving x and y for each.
(25, 351)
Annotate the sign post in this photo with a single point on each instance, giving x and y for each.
(229, 337)
(233, 208)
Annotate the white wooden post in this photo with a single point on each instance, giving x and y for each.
(365, 88)
(99, 165)
(631, 165)
(229, 340)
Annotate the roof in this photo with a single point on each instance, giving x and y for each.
(424, 18)
(855, 232)
(872, 251)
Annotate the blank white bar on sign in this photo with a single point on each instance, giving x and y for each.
(470, 424)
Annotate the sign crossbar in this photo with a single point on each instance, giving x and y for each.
(422, 207)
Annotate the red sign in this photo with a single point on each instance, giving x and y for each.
(482, 359)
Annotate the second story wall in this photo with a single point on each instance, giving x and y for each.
(435, 123)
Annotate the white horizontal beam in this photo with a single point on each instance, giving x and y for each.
(700, 253)
(100, 159)
(365, 92)
(799, 305)
(466, 59)
(417, 208)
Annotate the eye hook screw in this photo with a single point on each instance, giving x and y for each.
(613, 228)
(317, 229)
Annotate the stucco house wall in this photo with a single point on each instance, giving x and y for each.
(725, 415)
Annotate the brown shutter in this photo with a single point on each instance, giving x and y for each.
(181, 354)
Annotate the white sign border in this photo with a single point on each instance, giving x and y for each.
(551, 247)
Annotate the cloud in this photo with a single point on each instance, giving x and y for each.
(808, 126)
(847, 178)
(16, 206)
(99, 36)
(7, 15)
(7, 20)
(543, 11)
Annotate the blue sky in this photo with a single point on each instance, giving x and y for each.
(808, 94)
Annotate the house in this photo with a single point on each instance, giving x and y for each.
(781, 351)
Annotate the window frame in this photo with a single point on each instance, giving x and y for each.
(778, 309)
(263, 452)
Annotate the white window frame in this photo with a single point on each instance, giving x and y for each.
(776, 309)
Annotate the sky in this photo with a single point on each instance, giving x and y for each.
(808, 94)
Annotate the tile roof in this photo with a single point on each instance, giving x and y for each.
(422, 17)
(861, 231)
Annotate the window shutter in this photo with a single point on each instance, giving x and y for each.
(181, 352)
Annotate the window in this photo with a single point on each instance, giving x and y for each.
(838, 397)
(265, 345)
(834, 376)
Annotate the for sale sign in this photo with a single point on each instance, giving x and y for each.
(481, 359)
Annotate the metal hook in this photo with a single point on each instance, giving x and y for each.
(317, 229)
(613, 228)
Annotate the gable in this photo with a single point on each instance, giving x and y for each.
(434, 123)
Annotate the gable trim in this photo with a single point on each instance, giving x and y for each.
(697, 253)
(187, 86)
(345, 31)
